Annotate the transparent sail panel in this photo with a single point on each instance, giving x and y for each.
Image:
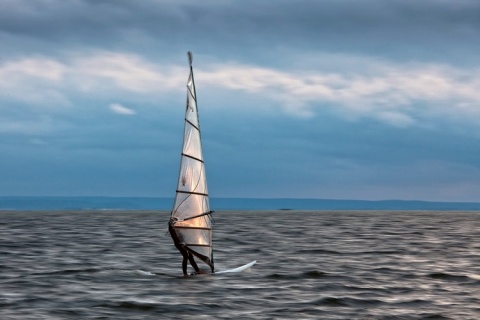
(191, 112)
(192, 176)
(190, 205)
(191, 142)
(193, 237)
(203, 251)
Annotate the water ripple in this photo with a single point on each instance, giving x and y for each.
(311, 265)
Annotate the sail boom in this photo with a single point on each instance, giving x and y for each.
(197, 216)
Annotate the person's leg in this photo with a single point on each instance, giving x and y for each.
(185, 259)
(184, 266)
(193, 263)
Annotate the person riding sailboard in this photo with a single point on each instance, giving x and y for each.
(190, 224)
(180, 245)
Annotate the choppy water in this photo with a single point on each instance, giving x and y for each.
(311, 265)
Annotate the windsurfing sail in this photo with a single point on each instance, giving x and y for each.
(191, 215)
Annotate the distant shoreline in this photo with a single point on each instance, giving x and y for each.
(283, 204)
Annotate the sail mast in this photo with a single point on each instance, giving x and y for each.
(191, 209)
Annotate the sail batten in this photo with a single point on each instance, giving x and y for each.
(193, 125)
(197, 245)
(192, 157)
(191, 209)
(198, 193)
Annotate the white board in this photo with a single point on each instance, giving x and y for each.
(239, 269)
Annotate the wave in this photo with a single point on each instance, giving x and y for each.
(347, 302)
(449, 277)
(70, 271)
(312, 274)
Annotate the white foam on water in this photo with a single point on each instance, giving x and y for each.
(145, 273)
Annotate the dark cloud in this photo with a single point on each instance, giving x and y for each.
(407, 30)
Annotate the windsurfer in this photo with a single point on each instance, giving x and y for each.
(187, 255)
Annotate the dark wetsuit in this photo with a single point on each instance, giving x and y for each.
(187, 255)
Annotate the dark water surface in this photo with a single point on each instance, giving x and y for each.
(311, 265)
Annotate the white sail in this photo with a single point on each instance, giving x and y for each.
(191, 209)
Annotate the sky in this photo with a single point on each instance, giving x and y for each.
(332, 99)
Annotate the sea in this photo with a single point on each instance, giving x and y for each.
(311, 264)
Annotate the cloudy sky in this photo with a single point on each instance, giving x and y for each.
(325, 99)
